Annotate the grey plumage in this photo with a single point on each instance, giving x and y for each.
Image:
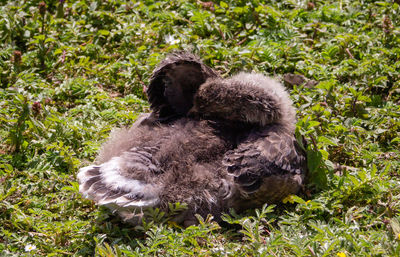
(246, 97)
(209, 142)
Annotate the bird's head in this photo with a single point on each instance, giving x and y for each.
(174, 83)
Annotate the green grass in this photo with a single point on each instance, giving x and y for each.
(72, 72)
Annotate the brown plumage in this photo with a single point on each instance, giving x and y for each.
(209, 142)
(174, 82)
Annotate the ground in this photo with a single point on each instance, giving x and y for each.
(70, 71)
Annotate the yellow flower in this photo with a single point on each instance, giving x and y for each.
(398, 236)
(308, 201)
(173, 224)
(288, 198)
(341, 254)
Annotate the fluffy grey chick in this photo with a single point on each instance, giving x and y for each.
(209, 142)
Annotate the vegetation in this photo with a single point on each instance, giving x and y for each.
(71, 71)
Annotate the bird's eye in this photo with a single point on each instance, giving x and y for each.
(167, 82)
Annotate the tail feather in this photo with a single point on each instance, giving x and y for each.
(107, 185)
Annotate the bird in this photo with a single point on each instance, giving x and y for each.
(209, 142)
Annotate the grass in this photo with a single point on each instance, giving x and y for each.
(70, 71)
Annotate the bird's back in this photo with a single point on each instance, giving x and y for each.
(180, 161)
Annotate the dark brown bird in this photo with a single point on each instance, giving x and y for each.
(209, 142)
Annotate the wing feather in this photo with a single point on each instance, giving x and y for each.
(271, 151)
(120, 183)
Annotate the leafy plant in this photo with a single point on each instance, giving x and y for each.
(73, 72)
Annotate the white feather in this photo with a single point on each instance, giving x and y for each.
(111, 177)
